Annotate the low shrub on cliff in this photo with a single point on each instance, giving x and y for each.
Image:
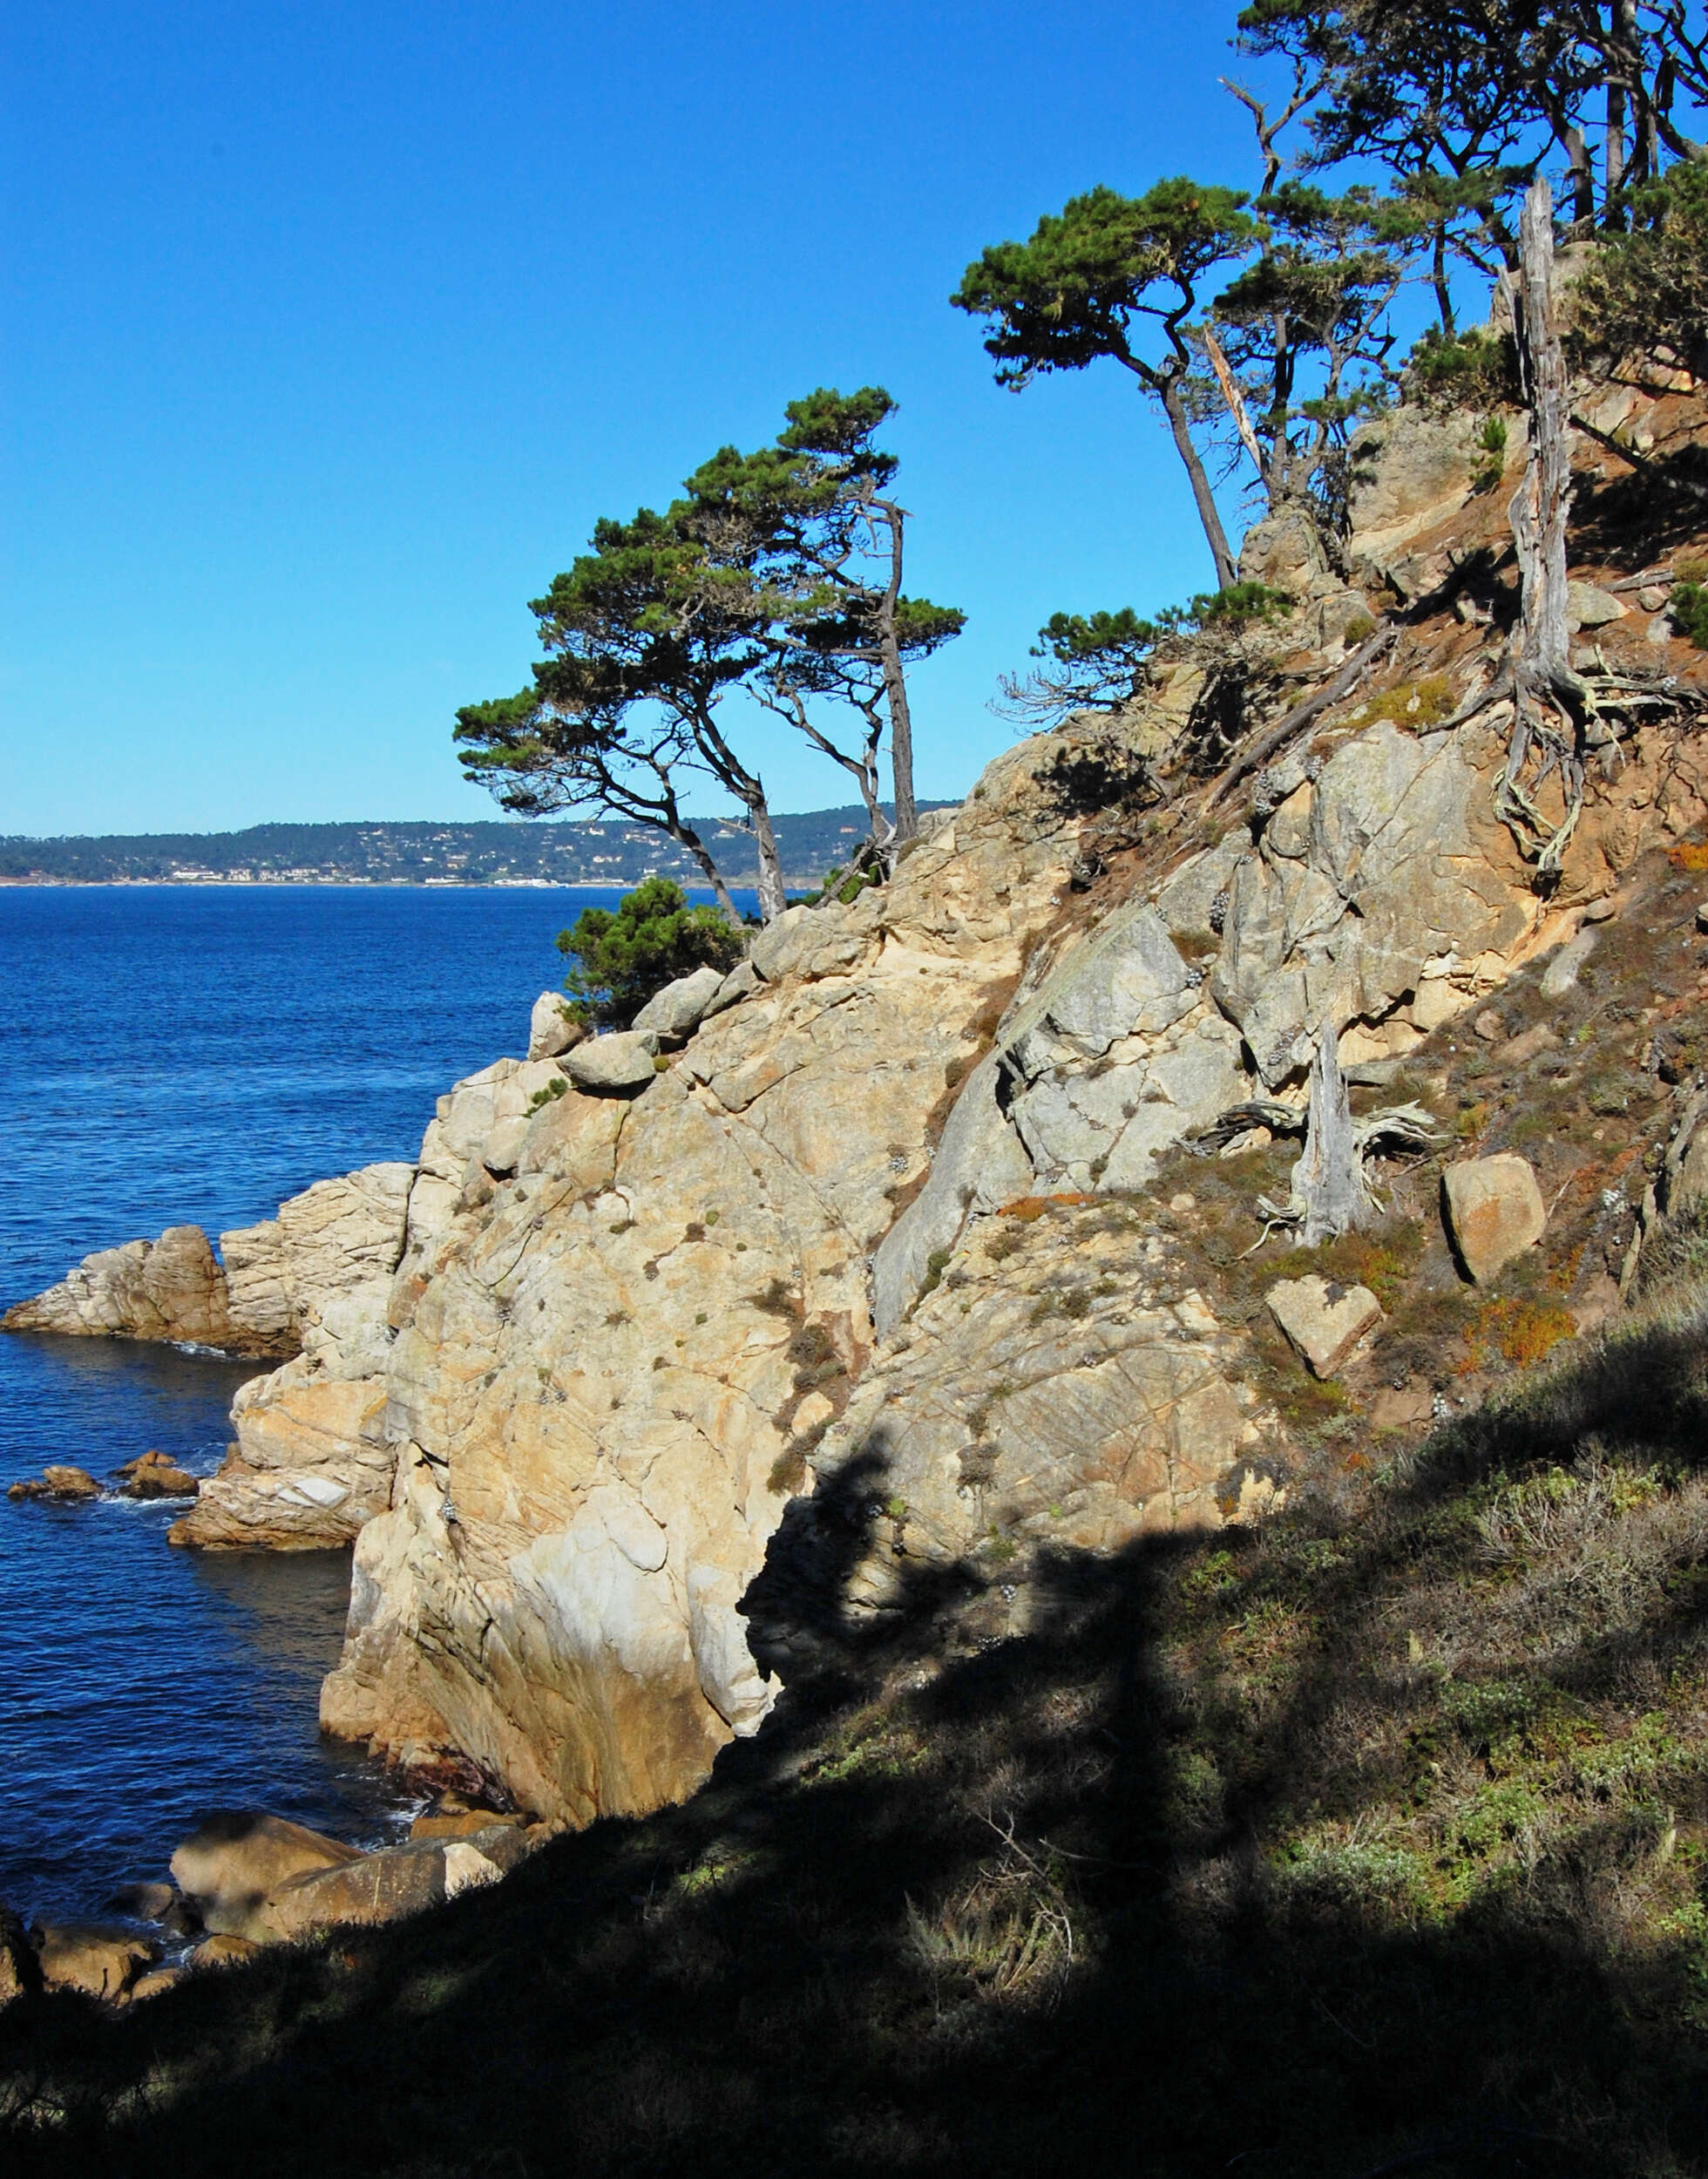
(624, 957)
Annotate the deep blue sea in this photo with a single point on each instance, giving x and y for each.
(193, 1054)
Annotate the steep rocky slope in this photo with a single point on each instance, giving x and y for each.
(904, 1220)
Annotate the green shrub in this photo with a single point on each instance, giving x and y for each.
(1491, 463)
(1646, 292)
(1688, 609)
(623, 957)
(1467, 371)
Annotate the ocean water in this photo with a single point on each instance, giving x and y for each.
(172, 1054)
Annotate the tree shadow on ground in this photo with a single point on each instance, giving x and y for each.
(970, 1903)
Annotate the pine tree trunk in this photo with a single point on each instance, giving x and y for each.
(772, 900)
(901, 743)
(686, 837)
(1173, 409)
(1547, 694)
(895, 683)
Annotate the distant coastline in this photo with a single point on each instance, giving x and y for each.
(534, 857)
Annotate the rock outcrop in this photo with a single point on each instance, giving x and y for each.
(854, 1258)
(608, 1363)
(305, 1271)
(169, 1289)
(310, 1463)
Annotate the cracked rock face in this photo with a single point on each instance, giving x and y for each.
(310, 1463)
(607, 1368)
(1043, 1391)
(631, 1330)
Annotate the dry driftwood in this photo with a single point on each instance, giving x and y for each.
(1301, 715)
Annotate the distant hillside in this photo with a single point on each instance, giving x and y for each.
(487, 854)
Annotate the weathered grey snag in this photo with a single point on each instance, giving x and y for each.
(1549, 702)
(1328, 1182)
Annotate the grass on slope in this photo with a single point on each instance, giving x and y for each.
(1377, 1840)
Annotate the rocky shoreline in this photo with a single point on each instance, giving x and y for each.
(244, 1879)
(913, 1249)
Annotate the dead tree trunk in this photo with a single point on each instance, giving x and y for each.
(1328, 1181)
(1550, 702)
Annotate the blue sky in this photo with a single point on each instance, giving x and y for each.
(333, 328)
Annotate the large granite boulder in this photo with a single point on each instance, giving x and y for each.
(617, 1065)
(678, 1011)
(552, 1028)
(1494, 1212)
(1322, 1321)
(235, 1858)
(101, 1961)
(379, 1887)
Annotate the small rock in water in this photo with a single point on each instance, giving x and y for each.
(66, 1483)
(144, 1902)
(156, 1475)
